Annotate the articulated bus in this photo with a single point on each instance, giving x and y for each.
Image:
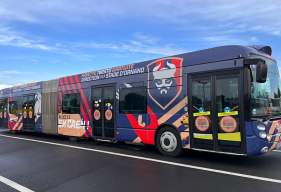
(224, 99)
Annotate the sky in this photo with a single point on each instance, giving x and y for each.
(44, 40)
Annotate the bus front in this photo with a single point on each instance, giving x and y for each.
(263, 132)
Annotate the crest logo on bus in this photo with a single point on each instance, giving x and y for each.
(165, 80)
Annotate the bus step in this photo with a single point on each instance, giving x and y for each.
(106, 140)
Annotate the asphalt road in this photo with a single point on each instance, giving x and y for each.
(94, 166)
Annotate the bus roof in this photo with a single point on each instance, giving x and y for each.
(202, 56)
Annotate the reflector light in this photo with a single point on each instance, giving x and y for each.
(263, 134)
(261, 127)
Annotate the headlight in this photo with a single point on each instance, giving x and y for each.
(264, 150)
(261, 127)
(268, 136)
(262, 134)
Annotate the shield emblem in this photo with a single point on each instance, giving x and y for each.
(165, 80)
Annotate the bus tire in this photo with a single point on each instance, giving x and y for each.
(169, 142)
(73, 139)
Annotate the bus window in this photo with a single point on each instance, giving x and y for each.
(227, 97)
(13, 107)
(71, 103)
(202, 116)
(133, 100)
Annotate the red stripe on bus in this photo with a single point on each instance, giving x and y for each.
(60, 96)
(142, 134)
(162, 64)
(151, 137)
(14, 124)
(10, 124)
(133, 121)
(61, 83)
(67, 85)
(267, 55)
(85, 119)
(10, 96)
(83, 96)
(153, 119)
(72, 83)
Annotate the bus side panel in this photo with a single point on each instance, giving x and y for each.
(16, 94)
(166, 99)
(132, 127)
(78, 125)
(13, 119)
(38, 111)
(129, 135)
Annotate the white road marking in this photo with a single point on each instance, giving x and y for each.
(277, 151)
(156, 160)
(14, 185)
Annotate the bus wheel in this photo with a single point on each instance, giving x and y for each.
(73, 139)
(169, 142)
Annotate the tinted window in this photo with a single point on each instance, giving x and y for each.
(71, 103)
(266, 97)
(13, 107)
(132, 100)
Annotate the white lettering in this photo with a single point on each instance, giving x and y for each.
(73, 124)
(60, 123)
(77, 124)
(64, 123)
(69, 123)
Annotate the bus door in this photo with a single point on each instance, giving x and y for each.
(28, 113)
(215, 112)
(1, 113)
(103, 112)
(5, 113)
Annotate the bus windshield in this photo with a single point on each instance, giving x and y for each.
(265, 97)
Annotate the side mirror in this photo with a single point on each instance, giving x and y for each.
(261, 72)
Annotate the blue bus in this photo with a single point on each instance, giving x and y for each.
(224, 99)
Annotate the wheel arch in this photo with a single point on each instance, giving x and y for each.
(162, 126)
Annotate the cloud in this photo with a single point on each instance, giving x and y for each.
(135, 46)
(146, 38)
(18, 41)
(145, 45)
(12, 72)
(169, 49)
(225, 15)
(224, 40)
(10, 37)
(4, 86)
(229, 40)
(254, 39)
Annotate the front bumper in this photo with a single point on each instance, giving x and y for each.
(257, 146)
